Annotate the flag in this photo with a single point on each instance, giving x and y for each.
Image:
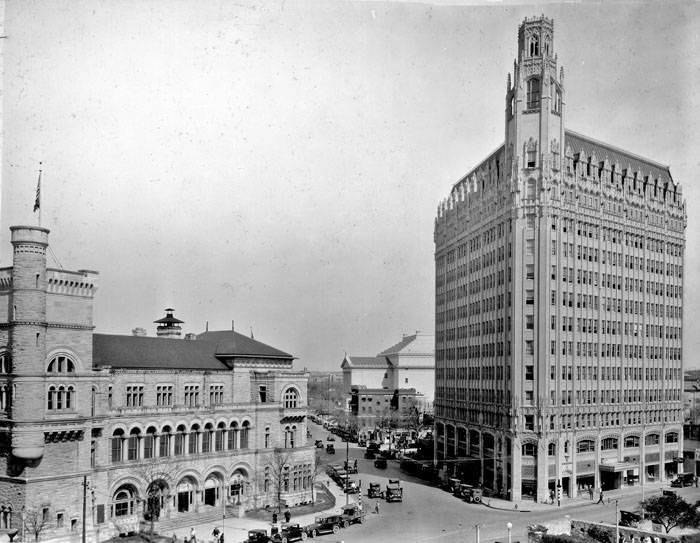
(37, 200)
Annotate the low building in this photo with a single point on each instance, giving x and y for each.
(153, 428)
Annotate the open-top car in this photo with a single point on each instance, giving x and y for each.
(375, 491)
(330, 448)
(289, 533)
(352, 514)
(325, 525)
(319, 444)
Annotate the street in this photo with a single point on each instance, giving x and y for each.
(430, 514)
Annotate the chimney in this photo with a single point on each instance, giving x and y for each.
(141, 332)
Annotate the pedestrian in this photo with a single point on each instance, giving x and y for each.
(274, 518)
(215, 533)
(590, 491)
(174, 538)
(696, 481)
(376, 507)
(355, 465)
(600, 498)
(287, 516)
(551, 496)
(221, 537)
(193, 535)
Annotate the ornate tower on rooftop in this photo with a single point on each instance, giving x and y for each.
(534, 108)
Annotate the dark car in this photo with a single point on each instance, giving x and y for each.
(330, 448)
(325, 525)
(330, 438)
(375, 491)
(257, 536)
(352, 514)
(380, 463)
(628, 518)
(319, 444)
(290, 532)
(684, 479)
(369, 454)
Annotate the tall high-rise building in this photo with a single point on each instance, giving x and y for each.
(559, 288)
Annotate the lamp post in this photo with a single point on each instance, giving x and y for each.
(617, 523)
(477, 527)
(509, 525)
(347, 466)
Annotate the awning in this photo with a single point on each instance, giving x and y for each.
(618, 466)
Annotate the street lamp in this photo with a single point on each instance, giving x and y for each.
(477, 527)
(509, 525)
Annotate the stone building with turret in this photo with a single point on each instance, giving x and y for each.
(559, 294)
(136, 428)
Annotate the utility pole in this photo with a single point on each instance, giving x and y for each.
(347, 466)
(84, 504)
(617, 521)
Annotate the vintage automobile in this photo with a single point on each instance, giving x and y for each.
(330, 448)
(361, 442)
(375, 491)
(350, 467)
(319, 444)
(369, 454)
(330, 437)
(257, 536)
(683, 479)
(351, 487)
(373, 446)
(451, 485)
(325, 525)
(630, 519)
(468, 492)
(352, 514)
(394, 492)
(380, 463)
(289, 533)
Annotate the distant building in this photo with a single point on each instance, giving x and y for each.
(691, 391)
(410, 363)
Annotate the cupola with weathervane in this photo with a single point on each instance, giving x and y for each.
(169, 326)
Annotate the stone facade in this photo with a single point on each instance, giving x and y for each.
(142, 427)
(559, 283)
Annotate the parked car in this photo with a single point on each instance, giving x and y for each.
(319, 444)
(361, 443)
(373, 446)
(380, 463)
(450, 485)
(289, 533)
(352, 514)
(375, 491)
(257, 536)
(330, 437)
(369, 454)
(684, 479)
(351, 487)
(330, 448)
(468, 492)
(325, 525)
(627, 518)
(394, 492)
(351, 467)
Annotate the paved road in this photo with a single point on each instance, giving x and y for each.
(429, 514)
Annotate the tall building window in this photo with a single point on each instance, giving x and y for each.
(533, 93)
(216, 394)
(164, 395)
(5, 366)
(117, 443)
(191, 395)
(291, 398)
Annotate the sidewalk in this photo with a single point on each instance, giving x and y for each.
(527, 506)
(236, 529)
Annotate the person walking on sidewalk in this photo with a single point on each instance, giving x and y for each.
(376, 507)
(590, 491)
(600, 498)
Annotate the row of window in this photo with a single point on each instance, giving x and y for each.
(165, 395)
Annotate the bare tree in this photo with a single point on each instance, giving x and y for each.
(159, 479)
(316, 470)
(279, 464)
(35, 521)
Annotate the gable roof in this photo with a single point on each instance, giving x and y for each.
(230, 343)
(589, 146)
(365, 362)
(159, 352)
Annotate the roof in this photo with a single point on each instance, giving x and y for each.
(365, 362)
(232, 343)
(625, 159)
(204, 353)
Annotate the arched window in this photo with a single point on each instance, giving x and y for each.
(534, 45)
(207, 435)
(123, 503)
(132, 452)
(609, 443)
(291, 398)
(61, 364)
(245, 431)
(671, 437)
(4, 397)
(552, 449)
(651, 439)
(220, 436)
(6, 517)
(631, 441)
(149, 443)
(117, 445)
(59, 398)
(585, 445)
(180, 440)
(267, 437)
(293, 436)
(233, 435)
(193, 446)
(529, 449)
(164, 445)
(5, 366)
(533, 93)
(287, 431)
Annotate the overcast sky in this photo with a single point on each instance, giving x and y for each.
(280, 164)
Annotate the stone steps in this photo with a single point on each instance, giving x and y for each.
(166, 527)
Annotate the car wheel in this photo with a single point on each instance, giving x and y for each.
(303, 536)
(346, 523)
(336, 529)
(314, 533)
(477, 499)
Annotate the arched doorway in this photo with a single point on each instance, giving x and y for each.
(157, 495)
(124, 501)
(212, 489)
(237, 485)
(186, 492)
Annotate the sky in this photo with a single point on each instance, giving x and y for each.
(279, 164)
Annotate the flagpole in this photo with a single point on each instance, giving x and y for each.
(37, 201)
